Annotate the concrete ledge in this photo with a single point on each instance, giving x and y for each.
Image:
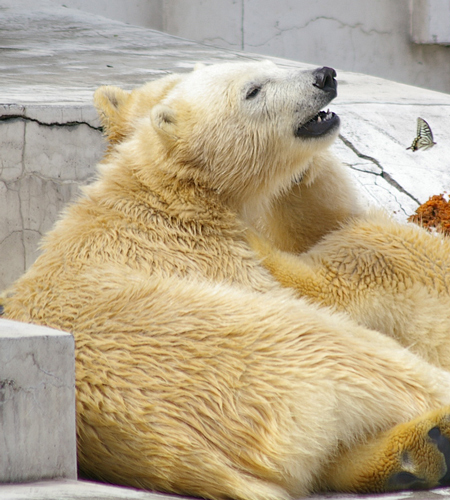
(37, 403)
(76, 490)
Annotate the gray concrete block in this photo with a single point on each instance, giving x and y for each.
(37, 403)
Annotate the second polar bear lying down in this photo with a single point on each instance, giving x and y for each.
(392, 277)
(196, 371)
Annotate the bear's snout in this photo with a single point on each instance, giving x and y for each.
(325, 79)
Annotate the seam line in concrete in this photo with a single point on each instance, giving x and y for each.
(385, 175)
(5, 118)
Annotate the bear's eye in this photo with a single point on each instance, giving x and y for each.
(253, 92)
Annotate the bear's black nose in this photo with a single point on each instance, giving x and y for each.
(325, 79)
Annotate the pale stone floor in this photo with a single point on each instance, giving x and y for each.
(84, 490)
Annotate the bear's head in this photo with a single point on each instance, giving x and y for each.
(245, 130)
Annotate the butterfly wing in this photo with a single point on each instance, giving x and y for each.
(423, 129)
(420, 122)
(424, 139)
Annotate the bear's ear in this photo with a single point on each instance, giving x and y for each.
(199, 65)
(109, 99)
(110, 103)
(164, 120)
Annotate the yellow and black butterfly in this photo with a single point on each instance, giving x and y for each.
(424, 139)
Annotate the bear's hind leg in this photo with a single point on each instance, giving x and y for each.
(413, 455)
(181, 383)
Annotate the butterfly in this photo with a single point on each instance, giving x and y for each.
(424, 139)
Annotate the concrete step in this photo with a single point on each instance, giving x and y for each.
(37, 403)
(75, 490)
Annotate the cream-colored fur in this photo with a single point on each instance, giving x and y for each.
(322, 199)
(392, 277)
(196, 371)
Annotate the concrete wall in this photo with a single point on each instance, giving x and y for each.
(43, 164)
(148, 13)
(367, 36)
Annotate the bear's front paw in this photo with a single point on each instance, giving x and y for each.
(414, 455)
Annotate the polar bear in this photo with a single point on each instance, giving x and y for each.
(388, 276)
(196, 371)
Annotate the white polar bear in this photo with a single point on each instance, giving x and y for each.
(196, 372)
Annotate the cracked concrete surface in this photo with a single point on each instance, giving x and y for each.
(5, 118)
(280, 31)
(41, 168)
(375, 171)
(376, 130)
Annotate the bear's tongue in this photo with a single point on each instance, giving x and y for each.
(319, 124)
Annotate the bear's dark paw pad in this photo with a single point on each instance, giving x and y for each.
(443, 445)
(405, 480)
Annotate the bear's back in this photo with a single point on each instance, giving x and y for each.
(108, 237)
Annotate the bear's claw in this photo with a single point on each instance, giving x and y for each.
(443, 445)
(405, 480)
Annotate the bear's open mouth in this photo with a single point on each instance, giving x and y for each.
(319, 124)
